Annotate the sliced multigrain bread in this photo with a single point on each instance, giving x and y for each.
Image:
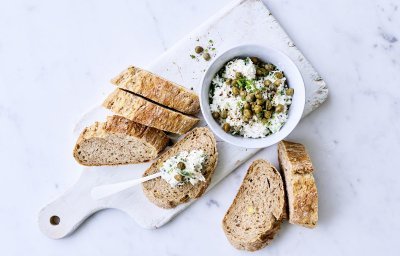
(145, 112)
(160, 192)
(256, 213)
(118, 141)
(301, 189)
(158, 89)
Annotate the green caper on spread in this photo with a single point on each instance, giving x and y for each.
(250, 98)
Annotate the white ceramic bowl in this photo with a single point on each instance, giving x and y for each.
(266, 54)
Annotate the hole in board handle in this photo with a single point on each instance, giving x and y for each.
(54, 220)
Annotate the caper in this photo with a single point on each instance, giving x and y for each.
(234, 82)
(268, 105)
(247, 113)
(279, 75)
(277, 82)
(267, 114)
(260, 102)
(235, 90)
(250, 97)
(224, 114)
(206, 56)
(272, 88)
(215, 115)
(181, 165)
(290, 91)
(238, 75)
(259, 95)
(242, 94)
(198, 49)
(257, 109)
(279, 108)
(267, 82)
(261, 72)
(255, 60)
(178, 177)
(269, 67)
(246, 105)
(264, 120)
(246, 119)
(226, 127)
(228, 81)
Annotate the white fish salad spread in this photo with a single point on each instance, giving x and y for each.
(184, 167)
(250, 98)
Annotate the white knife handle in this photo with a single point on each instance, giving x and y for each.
(103, 191)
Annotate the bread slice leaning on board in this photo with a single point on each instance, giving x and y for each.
(118, 141)
(158, 89)
(140, 110)
(301, 188)
(160, 192)
(258, 209)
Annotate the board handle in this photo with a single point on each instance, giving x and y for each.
(64, 215)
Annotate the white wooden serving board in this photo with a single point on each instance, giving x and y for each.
(239, 22)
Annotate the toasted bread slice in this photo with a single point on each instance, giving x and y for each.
(118, 141)
(145, 112)
(160, 192)
(256, 213)
(158, 89)
(300, 184)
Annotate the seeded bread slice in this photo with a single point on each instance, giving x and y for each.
(145, 112)
(160, 192)
(256, 213)
(300, 184)
(118, 141)
(158, 89)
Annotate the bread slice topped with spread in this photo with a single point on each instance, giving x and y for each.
(186, 170)
(158, 89)
(140, 110)
(301, 189)
(256, 213)
(118, 141)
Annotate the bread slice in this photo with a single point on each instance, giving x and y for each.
(118, 141)
(160, 192)
(300, 184)
(256, 213)
(145, 112)
(158, 89)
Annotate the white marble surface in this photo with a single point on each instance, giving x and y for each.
(55, 55)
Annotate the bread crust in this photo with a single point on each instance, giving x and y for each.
(158, 89)
(276, 217)
(145, 112)
(297, 169)
(159, 192)
(122, 126)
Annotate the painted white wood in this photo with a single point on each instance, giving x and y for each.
(239, 22)
(104, 191)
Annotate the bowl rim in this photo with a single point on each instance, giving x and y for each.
(252, 142)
